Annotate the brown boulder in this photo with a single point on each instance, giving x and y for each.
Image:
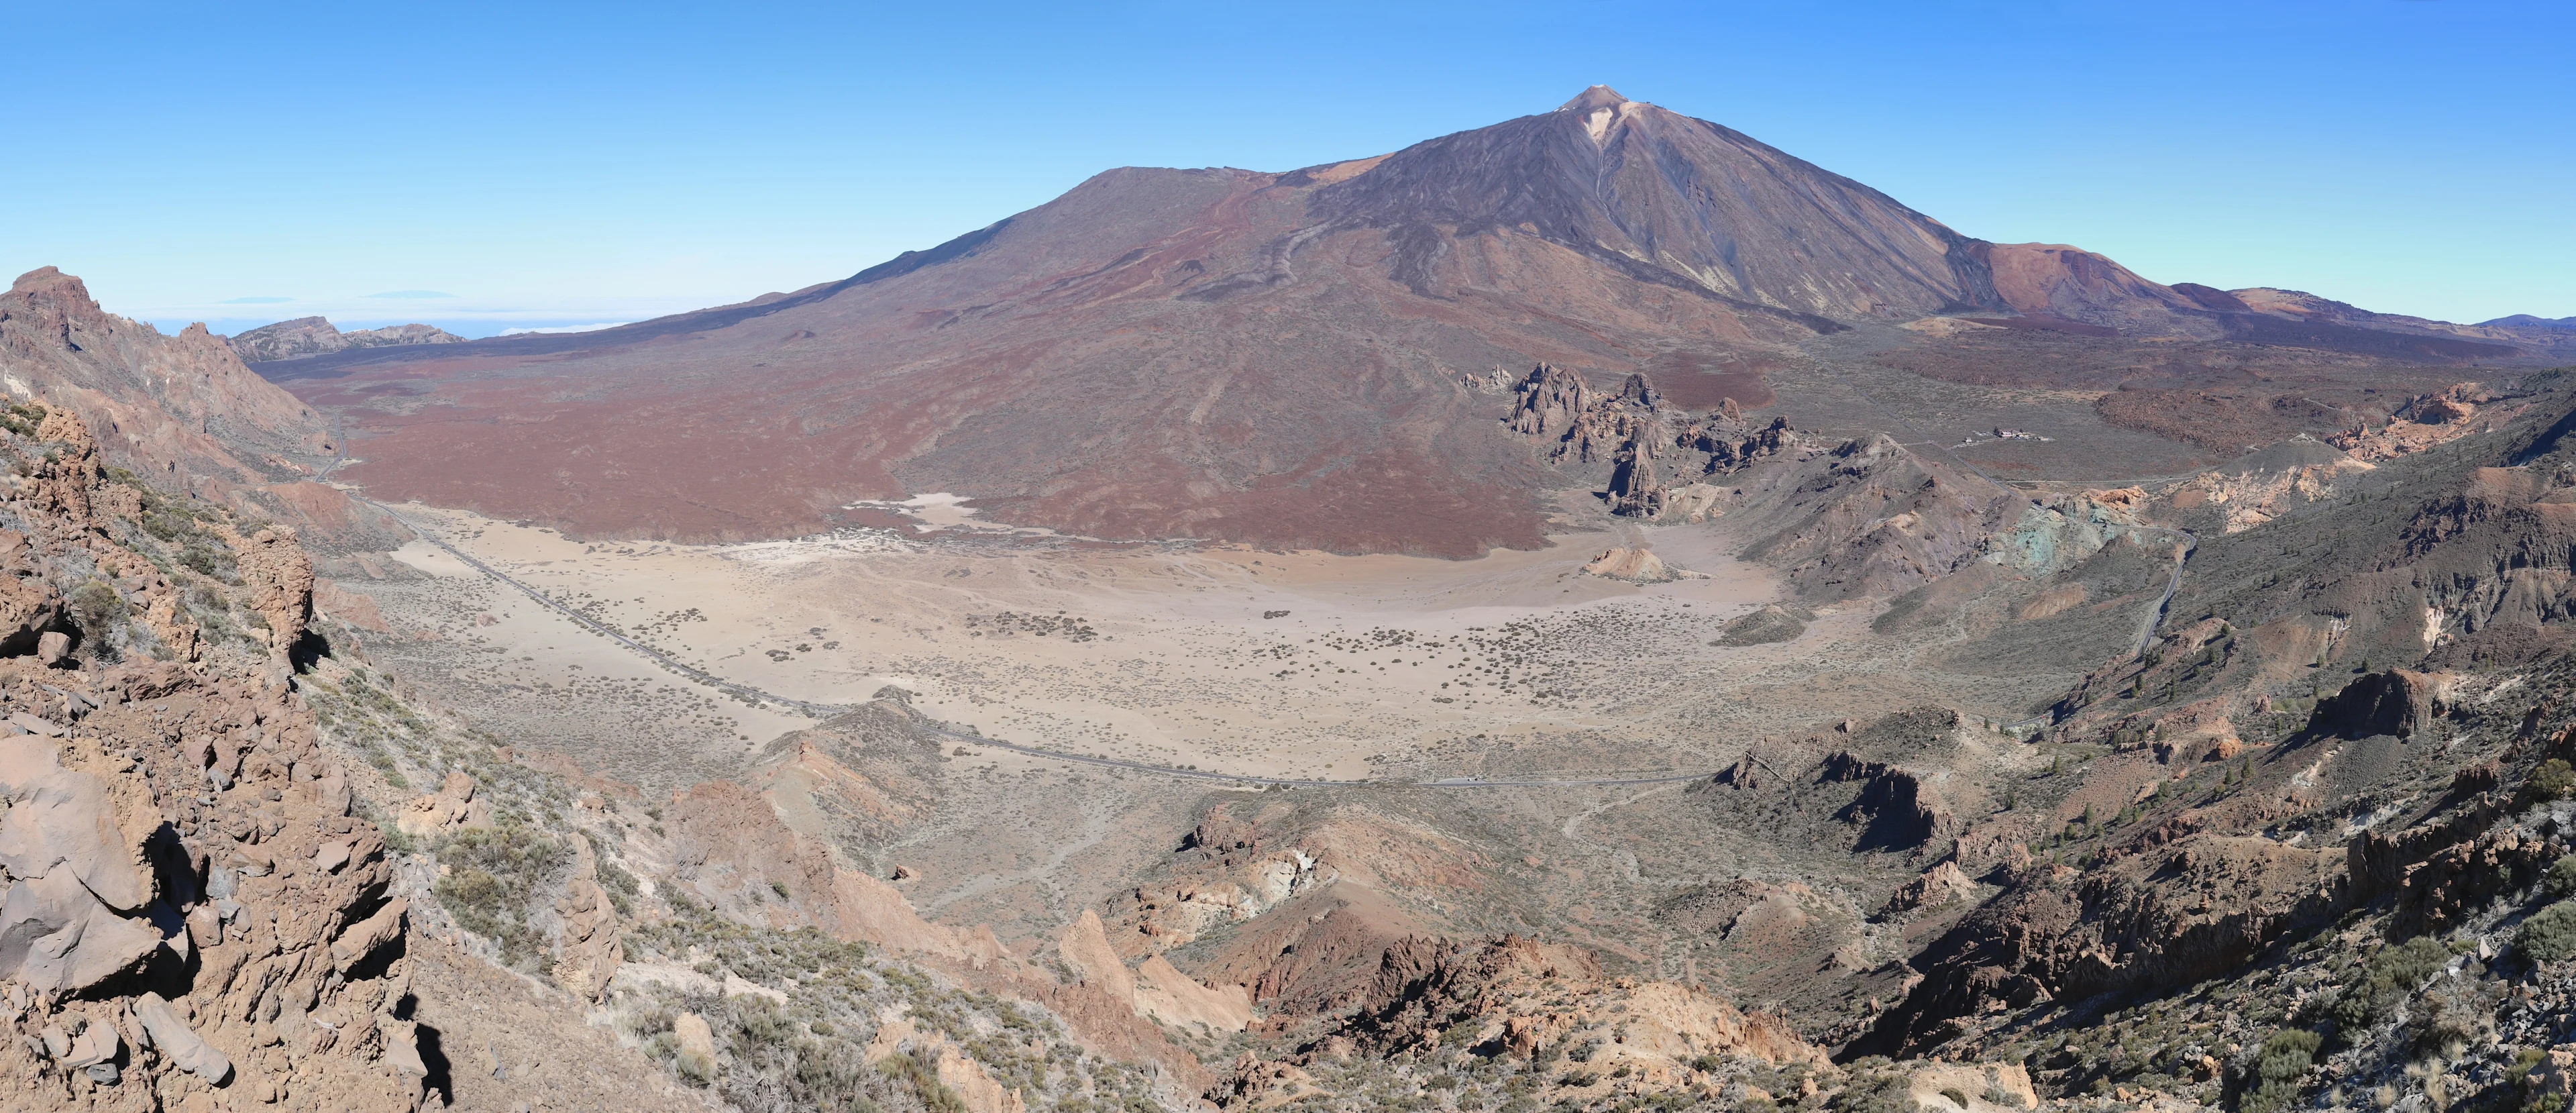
(590, 950)
(28, 608)
(172, 626)
(364, 938)
(179, 1043)
(65, 820)
(1942, 885)
(56, 937)
(278, 576)
(453, 805)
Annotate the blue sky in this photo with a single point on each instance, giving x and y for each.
(561, 164)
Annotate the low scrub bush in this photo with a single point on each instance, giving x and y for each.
(2550, 934)
(2283, 1060)
(492, 877)
(2387, 981)
(2560, 882)
(2553, 780)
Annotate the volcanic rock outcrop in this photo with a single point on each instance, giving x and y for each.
(1872, 517)
(315, 336)
(1515, 997)
(182, 411)
(1645, 440)
(191, 911)
(1636, 566)
(175, 406)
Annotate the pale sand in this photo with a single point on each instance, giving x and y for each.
(1185, 669)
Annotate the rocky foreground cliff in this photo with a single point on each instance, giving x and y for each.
(193, 917)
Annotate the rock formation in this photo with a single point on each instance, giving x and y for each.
(278, 576)
(1765, 626)
(1513, 996)
(1644, 440)
(189, 901)
(1156, 988)
(1636, 566)
(452, 806)
(2427, 421)
(1872, 517)
(2159, 915)
(2398, 702)
(1940, 887)
(181, 411)
(181, 407)
(315, 336)
(590, 949)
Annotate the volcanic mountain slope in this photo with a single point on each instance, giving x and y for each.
(1175, 353)
(1272, 358)
(183, 409)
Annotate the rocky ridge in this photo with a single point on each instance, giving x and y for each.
(182, 411)
(316, 336)
(2256, 832)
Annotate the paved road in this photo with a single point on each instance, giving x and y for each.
(2155, 617)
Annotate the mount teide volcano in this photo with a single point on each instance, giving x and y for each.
(1268, 358)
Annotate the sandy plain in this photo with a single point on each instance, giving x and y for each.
(1389, 672)
(1270, 664)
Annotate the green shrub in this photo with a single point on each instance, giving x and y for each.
(2391, 976)
(492, 875)
(2560, 882)
(2284, 1058)
(913, 1070)
(2550, 934)
(694, 1066)
(22, 418)
(217, 626)
(2553, 780)
(208, 560)
(1877, 1093)
(98, 609)
(621, 887)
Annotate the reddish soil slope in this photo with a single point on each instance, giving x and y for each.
(1279, 359)
(1273, 358)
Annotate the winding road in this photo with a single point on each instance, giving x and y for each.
(2155, 619)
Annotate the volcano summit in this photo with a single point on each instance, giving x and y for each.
(1281, 359)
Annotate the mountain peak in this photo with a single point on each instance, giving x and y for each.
(1592, 100)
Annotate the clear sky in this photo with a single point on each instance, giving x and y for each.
(560, 164)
